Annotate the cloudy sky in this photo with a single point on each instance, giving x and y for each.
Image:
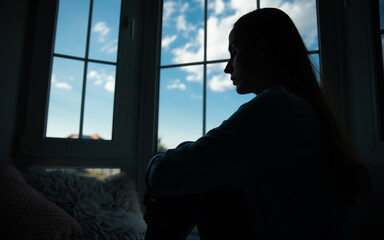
(67, 74)
(181, 88)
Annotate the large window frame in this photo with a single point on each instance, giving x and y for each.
(121, 151)
(349, 77)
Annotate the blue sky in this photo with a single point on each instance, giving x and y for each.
(181, 88)
(67, 74)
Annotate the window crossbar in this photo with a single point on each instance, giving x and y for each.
(214, 61)
(83, 59)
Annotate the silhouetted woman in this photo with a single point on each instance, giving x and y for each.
(281, 167)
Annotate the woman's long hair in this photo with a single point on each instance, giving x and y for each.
(286, 60)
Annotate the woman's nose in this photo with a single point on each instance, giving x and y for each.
(228, 68)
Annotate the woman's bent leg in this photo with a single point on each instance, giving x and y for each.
(169, 218)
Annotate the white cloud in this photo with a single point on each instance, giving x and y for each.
(166, 41)
(110, 86)
(218, 6)
(220, 83)
(195, 73)
(168, 9)
(102, 29)
(63, 85)
(182, 25)
(92, 75)
(110, 47)
(53, 78)
(217, 39)
(184, 7)
(177, 85)
(242, 7)
(100, 77)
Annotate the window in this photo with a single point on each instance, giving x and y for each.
(195, 95)
(81, 99)
(83, 85)
(149, 85)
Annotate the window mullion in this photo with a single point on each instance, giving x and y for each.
(193, 63)
(85, 71)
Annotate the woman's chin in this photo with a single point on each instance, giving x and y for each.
(244, 89)
(240, 90)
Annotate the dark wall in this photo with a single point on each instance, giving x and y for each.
(16, 21)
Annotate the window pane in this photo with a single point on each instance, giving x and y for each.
(65, 98)
(105, 30)
(316, 64)
(99, 98)
(221, 17)
(183, 32)
(222, 98)
(303, 14)
(181, 105)
(71, 30)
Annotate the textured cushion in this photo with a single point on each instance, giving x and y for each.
(368, 219)
(105, 209)
(25, 214)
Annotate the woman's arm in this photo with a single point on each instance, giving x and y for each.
(254, 138)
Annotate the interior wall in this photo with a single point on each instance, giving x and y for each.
(15, 35)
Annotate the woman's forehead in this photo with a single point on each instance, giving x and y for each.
(232, 39)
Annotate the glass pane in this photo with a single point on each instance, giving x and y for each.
(99, 99)
(71, 30)
(183, 32)
(105, 30)
(180, 105)
(381, 7)
(303, 14)
(221, 17)
(316, 65)
(222, 98)
(65, 98)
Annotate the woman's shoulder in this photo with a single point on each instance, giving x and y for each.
(277, 95)
(277, 102)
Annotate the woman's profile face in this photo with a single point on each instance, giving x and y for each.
(243, 66)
